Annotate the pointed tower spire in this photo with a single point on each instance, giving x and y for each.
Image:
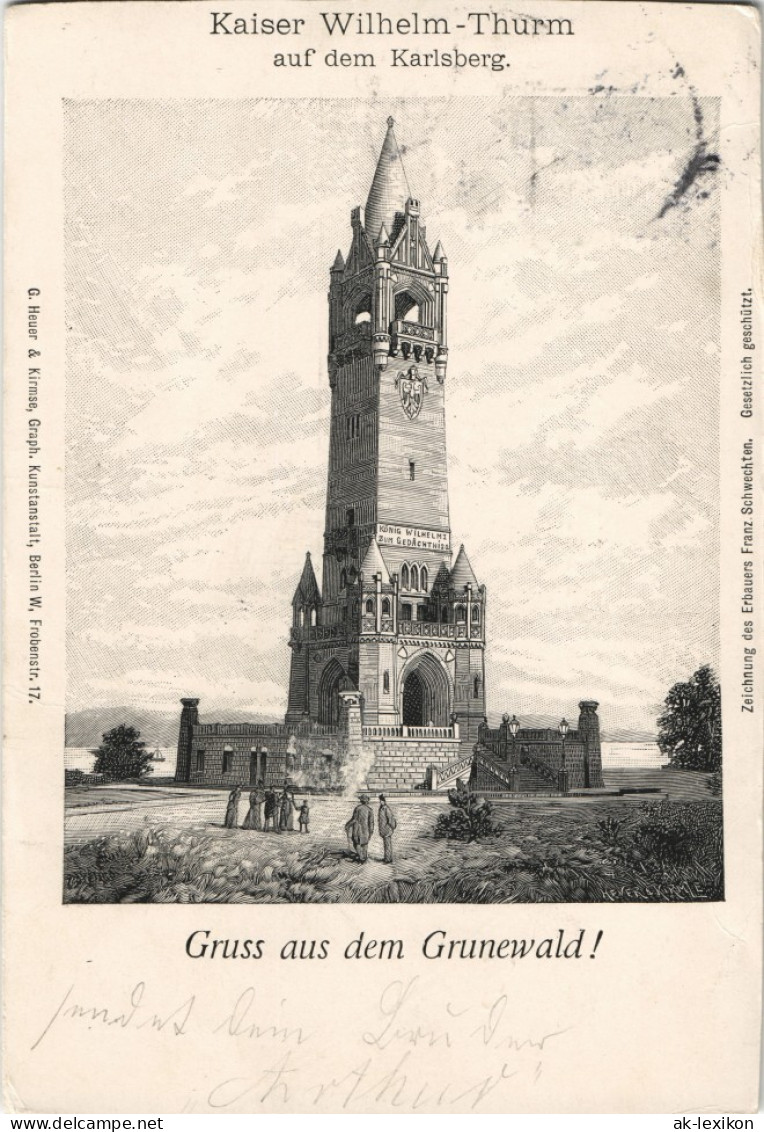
(307, 592)
(389, 190)
(374, 563)
(339, 262)
(438, 255)
(462, 574)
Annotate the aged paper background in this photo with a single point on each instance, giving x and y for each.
(666, 1017)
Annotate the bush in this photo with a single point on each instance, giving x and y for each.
(678, 834)
(468, 820)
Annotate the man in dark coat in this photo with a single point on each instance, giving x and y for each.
(360, 827)
(387, 824)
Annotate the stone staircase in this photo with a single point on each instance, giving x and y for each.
(529, 780)
(494, 774)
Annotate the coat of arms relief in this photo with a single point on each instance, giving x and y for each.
(412, 387)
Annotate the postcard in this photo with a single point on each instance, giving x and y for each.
(383, 692)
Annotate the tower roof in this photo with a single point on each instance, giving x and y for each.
(307, 592)
(462, 574)
(374, 563)
(442, 578)
(439, 254)
(389, 190)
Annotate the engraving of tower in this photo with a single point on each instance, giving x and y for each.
(396, 619)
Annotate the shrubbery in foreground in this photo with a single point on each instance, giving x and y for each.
(667, 851)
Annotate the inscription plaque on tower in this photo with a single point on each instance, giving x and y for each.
(418, 538)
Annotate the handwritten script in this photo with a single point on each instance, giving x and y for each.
(403, 1049)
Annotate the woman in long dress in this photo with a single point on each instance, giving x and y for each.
(253, 819)
(232, 810)
(286, 821)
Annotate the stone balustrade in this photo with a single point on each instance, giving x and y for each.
(403, 731)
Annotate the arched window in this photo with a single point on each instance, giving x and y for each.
(386, 681)
(406, 307)
(476, 615)
(461, 614)
(313, 616)
(363, 310)
(405, 611)
(476, 688)
(444, 614)
(343, 579)
(415, 577)
(423, 578)
(370, 606)
(386, 607)
(302, 616)
(404, 576)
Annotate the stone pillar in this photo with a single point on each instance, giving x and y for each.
(589, 734)
(188, 718)
(351, 714)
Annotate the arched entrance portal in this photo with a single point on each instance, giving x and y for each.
(333, 681)
(425, 696)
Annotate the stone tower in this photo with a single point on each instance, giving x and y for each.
(396, 620)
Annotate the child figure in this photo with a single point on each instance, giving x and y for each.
(304, 816)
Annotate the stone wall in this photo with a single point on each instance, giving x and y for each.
(402, 764)
(230, 754)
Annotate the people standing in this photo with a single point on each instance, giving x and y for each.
(360, 827)
(253, 820)
(304, 816)
(232, 809)
(270, 811)
(286, 816)
(387, 825)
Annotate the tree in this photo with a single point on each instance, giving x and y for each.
(690, 728)
(122, 755)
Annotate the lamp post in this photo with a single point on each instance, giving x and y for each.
(514, 727)
(563, 728)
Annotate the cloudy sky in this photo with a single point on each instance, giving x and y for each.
(582, 391)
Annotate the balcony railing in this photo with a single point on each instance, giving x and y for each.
(413, 330)
(318, 632)
(443, 629)
(402, 731)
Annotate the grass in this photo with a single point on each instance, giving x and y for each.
(603, 852)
